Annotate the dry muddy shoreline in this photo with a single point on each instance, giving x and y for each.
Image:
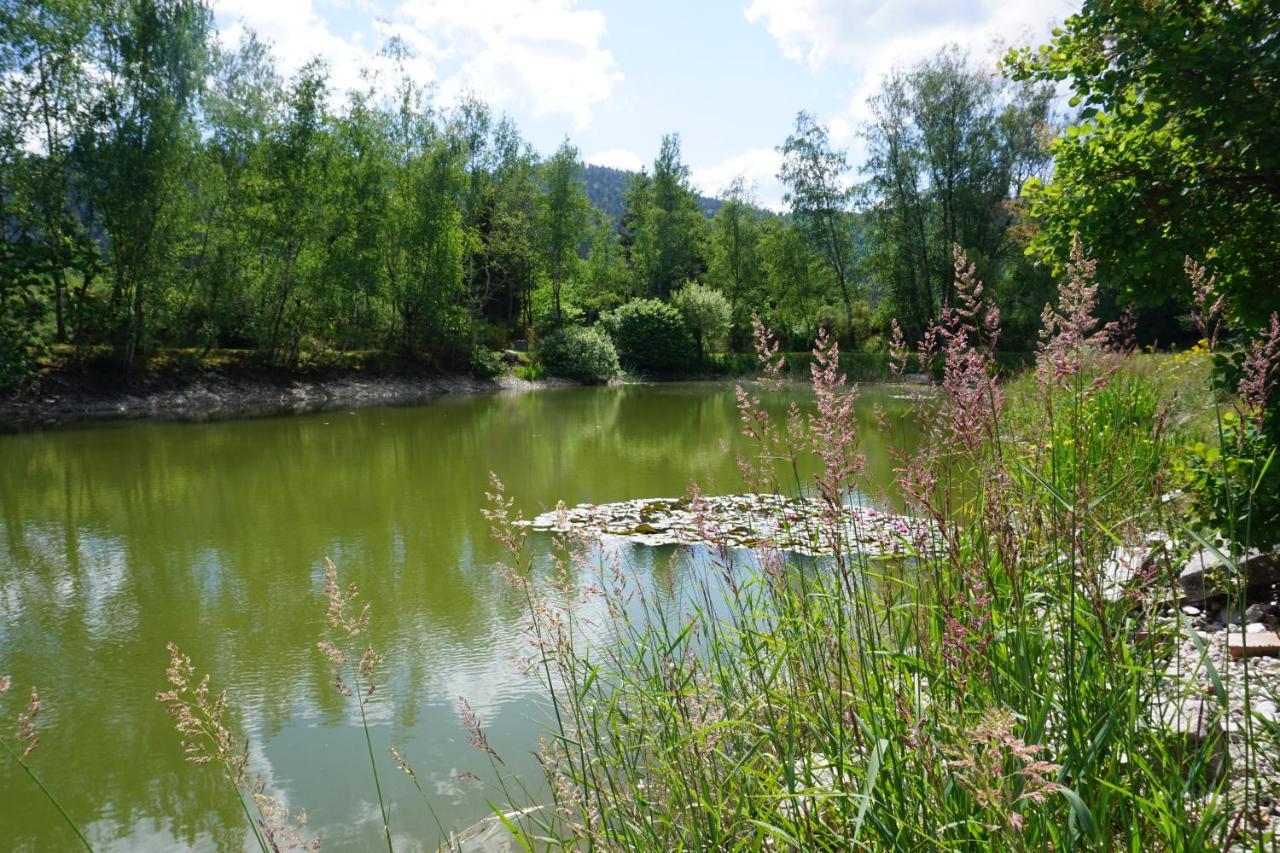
(64, 399)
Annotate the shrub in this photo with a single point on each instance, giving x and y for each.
(1234, 482)
(485, 364)
(706, 313)
(579, 353)
(21, 311)
(651, 337)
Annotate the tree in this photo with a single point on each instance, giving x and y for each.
(950, 147)
(151, 58)
(606, 280)
(292, 221)
(665, 223)
(563, 217)
(706, 313)
(733, 251)
(241, 105)
(43, 90)
(425, 248)
(798, 282)
(1177, 149)
(814, 175)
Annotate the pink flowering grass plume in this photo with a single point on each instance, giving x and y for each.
(348, 621)
(967, 336)
(1261, 371)
(502, 519)
(772, 444)
(28, 738)
(899, 353)
(475, 730)
(833, 427)
(1000, 770)
(1207, 314)
(201, 718)
(771, 362)
(25, 726)
(202, 721)
(1122, 333)
(26, 733)
(973, 314)
(1070, 333)
(282, 830)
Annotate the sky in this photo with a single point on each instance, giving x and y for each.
(614, 75)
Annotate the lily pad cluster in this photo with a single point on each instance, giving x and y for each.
(797, 524)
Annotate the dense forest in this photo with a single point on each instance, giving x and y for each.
(160, 191)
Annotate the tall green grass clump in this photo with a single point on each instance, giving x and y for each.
(1008, 686)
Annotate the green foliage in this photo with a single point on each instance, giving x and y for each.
(950, 147)
(664, 225)
(706, 314)
(1235, 483)
(734, 253)
(575, 352)
(563, 219)
(651, 337)
(1234, 479)
(605, 280)
(813, 173)
(23, 309)
(1176, 148)
(485, 363)
(530, 372)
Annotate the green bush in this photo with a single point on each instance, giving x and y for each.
(1234, 481)
(485, 364)
(706, 314)
(651, 337)
(579, 353)
(22, 309)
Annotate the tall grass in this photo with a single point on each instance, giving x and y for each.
(1002, 689)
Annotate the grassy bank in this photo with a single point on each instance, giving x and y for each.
(1014, 685)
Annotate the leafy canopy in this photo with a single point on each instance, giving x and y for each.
(1177, 150)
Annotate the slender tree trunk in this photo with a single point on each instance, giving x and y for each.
(838, 262)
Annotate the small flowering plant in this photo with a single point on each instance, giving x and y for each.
(1000, 771)
(353, 669)
(26, 739)
(1235, 481)
(202, 721)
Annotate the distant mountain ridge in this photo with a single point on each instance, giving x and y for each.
(606, 186)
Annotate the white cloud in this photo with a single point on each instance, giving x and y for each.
(543, 53)
(297, 33)
(758, 166)
(872, 37)
(618, 158)
(546, 56)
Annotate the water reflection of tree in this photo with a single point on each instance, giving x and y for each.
(114, 540)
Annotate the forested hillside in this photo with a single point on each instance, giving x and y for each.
(607, 189)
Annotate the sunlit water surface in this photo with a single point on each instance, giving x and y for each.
(116, 539)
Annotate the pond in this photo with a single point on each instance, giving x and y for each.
(116, 539)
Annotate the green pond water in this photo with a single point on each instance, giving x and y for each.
(115, 539)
